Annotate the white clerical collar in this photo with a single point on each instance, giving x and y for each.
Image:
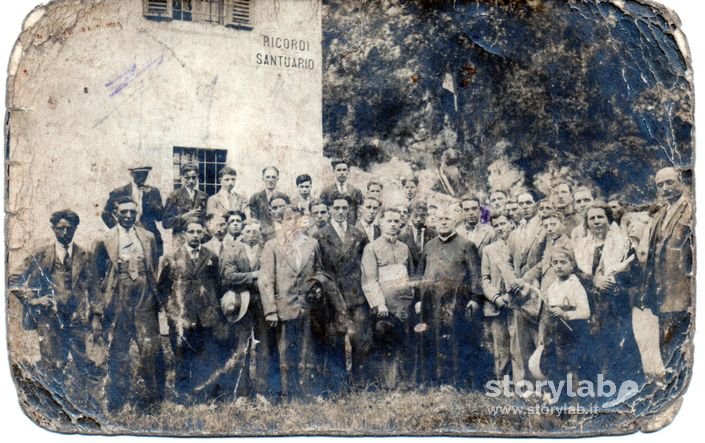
(447, 237)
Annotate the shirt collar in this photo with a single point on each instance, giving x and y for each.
(390, 238)
(447, 237)
(61, 250)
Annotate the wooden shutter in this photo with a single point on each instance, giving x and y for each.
(158, 8)
(241, 13)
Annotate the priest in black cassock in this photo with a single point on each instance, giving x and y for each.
(450, 332)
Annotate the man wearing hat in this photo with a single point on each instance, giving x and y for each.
(148, 200)
(188, 287)
(185, 203)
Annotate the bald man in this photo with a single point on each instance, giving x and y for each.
(668, 272)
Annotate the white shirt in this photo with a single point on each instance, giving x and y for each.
(343, 189)
(61, 251)
(340, 228)
(569, 293)
(369, 229)
(128, 243)
(252, 253)
(193, 252)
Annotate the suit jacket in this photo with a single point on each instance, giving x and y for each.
(525, 256)
(668, 272)
(236, 270)
(375, 228)
(482, 236)
(543, 270)
(218, 203)
(106, 257)
(407, 237)
(152, 210)
(355, 195)
(190, 289)
(179, 203)
(259, 209)
(497, 274)
(282, 282)
(36, 278)
(341, 259)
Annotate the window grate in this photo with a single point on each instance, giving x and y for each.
(209, 161)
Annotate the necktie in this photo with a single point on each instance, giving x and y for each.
(67, 268)
(194, 254)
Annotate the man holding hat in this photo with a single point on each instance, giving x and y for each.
(185, 203)
(148, 200)
(386, 267)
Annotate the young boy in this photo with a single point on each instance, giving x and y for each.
(567, 312)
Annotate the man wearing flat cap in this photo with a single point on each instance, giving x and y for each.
(185, 203)
(149, 204)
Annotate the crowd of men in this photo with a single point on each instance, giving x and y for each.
(299, 296)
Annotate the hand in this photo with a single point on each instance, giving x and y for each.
(255, 275)
(96, 325)
(555, 311)
(603, 283)
(471, 308)
(417, 307)
(502, 301)
(382, 311)
(45, 301)
(516, 285)
(272, 320)
(624, 265)
(192, 213)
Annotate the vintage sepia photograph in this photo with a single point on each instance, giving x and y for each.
(350, 217)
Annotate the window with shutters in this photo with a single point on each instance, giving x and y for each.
(231, 13)
(209, 161)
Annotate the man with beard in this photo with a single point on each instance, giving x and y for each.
(451, 353)
(149, 204)
(127, 310)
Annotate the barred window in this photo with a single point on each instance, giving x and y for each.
(231, 13)
(209, 161)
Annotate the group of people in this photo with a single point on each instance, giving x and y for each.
(291, 297)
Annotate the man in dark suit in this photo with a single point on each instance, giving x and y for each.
(149, 204)
(239, 272)
(56, 285)
(341, 168)
(341, 252)
(188, 287)
(259, 202)
(368, 218)
(185, 203)
(416, 234)
(127, 310)
(668, 273)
